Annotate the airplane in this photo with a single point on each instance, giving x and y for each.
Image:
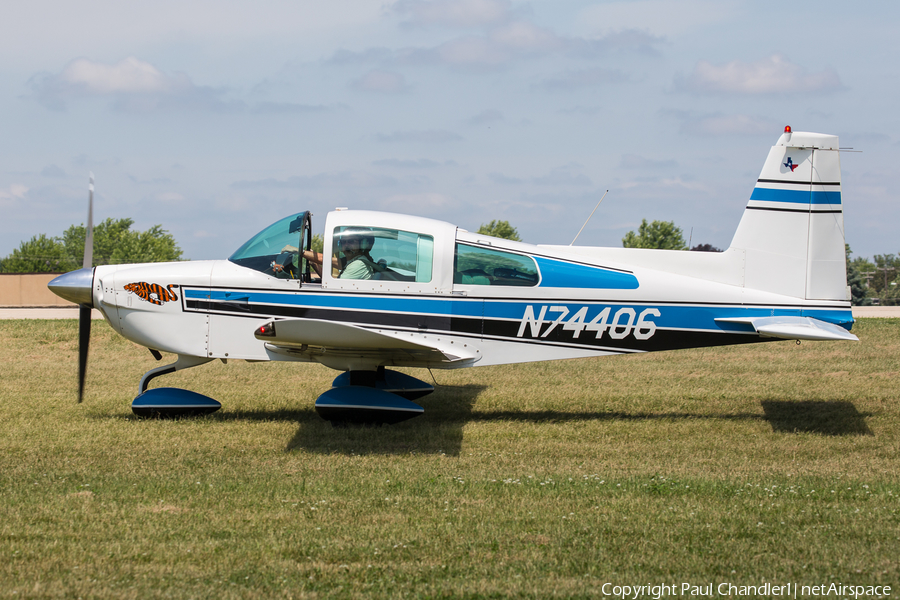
(393, 290)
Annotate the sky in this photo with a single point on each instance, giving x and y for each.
(215, 118)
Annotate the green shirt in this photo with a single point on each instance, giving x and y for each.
(360, 267)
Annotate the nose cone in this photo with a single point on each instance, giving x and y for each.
(75, 286)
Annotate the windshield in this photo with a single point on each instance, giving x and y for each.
(276, 249)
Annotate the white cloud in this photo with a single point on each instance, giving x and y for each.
(584, 78)
(416, 203)
(634, 161)
(429, 136)
(421, 163)
(729, 125)
(383, 82)
(53, 171)
(565, 175)
(772, 75)
(490, 115)
(14, 192)
(170, 197)
(453, 13)
(129, 76)
(341, 179)
(663, 17)
(522, 36)
(133, 84)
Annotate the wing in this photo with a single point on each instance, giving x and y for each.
(316, 338)
(794, 328)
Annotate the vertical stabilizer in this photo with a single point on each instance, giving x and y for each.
(792, 231)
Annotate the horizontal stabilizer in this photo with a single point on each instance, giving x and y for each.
(794, 328)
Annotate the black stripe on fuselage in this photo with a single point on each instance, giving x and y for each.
(504, 330)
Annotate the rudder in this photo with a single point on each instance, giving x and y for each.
(792, 231)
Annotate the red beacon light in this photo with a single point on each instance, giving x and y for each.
(787, 128)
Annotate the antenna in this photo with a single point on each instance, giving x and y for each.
(589, 217)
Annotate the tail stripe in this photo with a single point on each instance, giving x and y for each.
(796, 210)
(795, 196)
(798, 182)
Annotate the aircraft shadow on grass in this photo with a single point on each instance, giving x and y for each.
(450, 408)
(826, 417)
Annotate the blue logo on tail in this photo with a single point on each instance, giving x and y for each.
(790, 164)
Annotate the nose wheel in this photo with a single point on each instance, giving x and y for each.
(172, 403)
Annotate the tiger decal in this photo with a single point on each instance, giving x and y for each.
(152, 292)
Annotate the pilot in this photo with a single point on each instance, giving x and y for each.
(355, 243)
(289, 268)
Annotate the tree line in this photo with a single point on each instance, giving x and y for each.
(114, 243)
(875, 281)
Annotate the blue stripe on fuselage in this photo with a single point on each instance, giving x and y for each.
(561, 274)
(672, 316)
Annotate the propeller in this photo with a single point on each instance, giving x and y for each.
(84, 310)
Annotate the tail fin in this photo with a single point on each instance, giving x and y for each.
(792, 231)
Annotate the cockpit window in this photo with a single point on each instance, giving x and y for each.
(379, 253)
(475, 265)
(276, 249)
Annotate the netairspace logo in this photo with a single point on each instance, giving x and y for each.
(786, 590)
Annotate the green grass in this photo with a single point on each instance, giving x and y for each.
(770, 462)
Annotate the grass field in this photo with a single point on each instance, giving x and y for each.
(763, 463)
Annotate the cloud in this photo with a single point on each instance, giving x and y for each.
(565, 175)
(569, 80)
(291, 108)
(772, 75)
(53, 171)
(422, 163)
(504, 179)
(453, 13)
(504, 37)
(560, 176)
(581, 111)
(132, 84)
(14, 192)
(416, 203)
(170, 197)
(369, 56)
(428, 136)
(382, 82)
(617, 42)
(666, 17)
(633, 161)
(491, 115)
(719, 124)
(343, 179)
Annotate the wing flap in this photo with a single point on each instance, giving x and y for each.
(794, 328)
(344, 338)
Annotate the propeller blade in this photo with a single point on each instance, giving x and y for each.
(89, 228)
(84, 310)
(84, 339)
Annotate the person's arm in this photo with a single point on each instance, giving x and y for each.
(315, 260)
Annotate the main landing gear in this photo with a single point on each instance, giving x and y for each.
(372, 398)
(379, 397)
